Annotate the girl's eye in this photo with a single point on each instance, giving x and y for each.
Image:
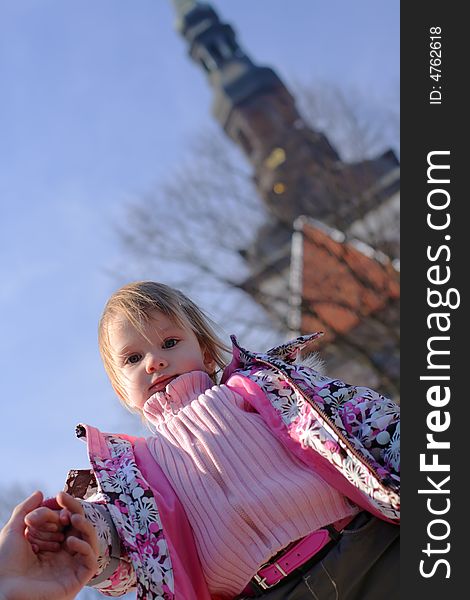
(133, 359)
(170, 343)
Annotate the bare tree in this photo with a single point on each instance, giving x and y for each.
(358, 126)
(190, 232)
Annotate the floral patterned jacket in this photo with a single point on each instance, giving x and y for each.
(348, 434)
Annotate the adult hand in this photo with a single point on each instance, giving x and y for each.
(58, 575)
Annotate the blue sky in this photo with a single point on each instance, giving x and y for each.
(98, 102)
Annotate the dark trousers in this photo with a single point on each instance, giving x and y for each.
(363, 565)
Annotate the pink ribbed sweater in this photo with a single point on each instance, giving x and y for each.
(245, 495)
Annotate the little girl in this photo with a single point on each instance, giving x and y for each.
(277, 482)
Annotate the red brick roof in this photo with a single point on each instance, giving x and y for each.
(340, 285)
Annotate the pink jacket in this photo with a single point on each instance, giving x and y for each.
(348, 434)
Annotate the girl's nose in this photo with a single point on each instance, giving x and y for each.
(155, 363)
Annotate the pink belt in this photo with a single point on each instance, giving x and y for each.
(272, 573)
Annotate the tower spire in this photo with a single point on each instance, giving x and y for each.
(214, 47)
(183, 6)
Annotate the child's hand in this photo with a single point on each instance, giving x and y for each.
(55, 576)
(49, 525)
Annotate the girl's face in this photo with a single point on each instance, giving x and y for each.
(146, 366)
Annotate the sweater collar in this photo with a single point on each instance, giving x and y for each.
(161, 406)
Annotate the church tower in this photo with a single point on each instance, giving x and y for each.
(296, 169)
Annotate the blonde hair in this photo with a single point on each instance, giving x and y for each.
(135, 301)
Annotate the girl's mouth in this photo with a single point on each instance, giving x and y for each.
(160, 384)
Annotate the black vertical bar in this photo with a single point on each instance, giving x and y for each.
(435, 235)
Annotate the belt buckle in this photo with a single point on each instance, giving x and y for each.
(261, 581)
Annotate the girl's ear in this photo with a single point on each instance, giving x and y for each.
(209, 362)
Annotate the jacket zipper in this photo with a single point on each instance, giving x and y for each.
(364, 460)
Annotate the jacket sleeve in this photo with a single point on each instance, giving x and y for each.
(115, 575)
